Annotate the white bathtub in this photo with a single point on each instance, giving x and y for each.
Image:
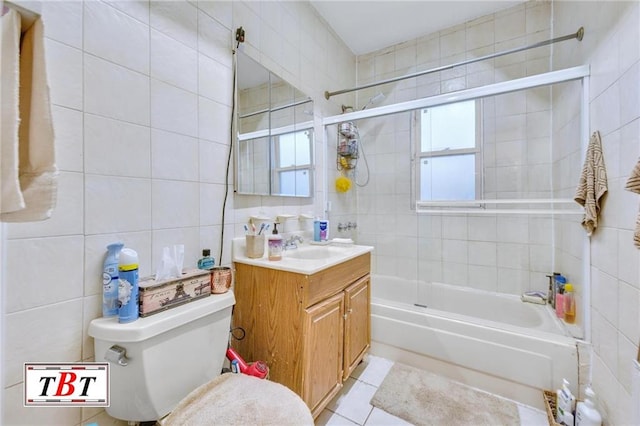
(488, 340)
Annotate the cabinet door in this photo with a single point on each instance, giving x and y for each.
(357, 336)
(324, 339)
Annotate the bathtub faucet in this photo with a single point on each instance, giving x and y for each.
(291, 242)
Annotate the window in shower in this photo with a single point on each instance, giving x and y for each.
(448, 152)
(292, 167)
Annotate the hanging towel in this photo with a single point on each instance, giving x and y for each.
(11, 199)
(593, 184)
(37, 169)
(633, 185)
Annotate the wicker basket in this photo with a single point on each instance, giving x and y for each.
(550, 405)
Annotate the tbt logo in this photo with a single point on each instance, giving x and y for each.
(64, 384)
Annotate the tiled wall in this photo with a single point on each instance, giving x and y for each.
(503, 253)
(141, 95)
(612, 48)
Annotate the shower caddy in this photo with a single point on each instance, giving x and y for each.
(348, 139)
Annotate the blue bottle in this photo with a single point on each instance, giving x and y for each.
(110, 280)
(128, 286)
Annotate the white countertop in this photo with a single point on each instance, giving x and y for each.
(306, 259)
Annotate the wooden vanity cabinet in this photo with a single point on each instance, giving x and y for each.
(311, 330)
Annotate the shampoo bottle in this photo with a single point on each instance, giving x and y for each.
(564, 404)
(586, 412)
(110, 280)
(128, 286)
(569, 304)
(275, 244)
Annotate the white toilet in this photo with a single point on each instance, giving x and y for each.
(157, 361)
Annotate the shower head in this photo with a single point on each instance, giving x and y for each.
(374, 99)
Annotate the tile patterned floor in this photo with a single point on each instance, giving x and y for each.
(351, 407)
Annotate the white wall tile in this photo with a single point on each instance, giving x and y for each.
(177, 19)
(628, 311)
(138, 9)
(92, 308)
(213, 120)
(67, 125)
(173, 109)
(173, 62)
(64, 72)
(175, 204)
(45, 334)
(15, 413)
(173, 156)
(63, 22)
(33, 283)
(117, 204)
(115, 36)
(66, 219)
(221, 11)
(116, 148)
(213, 158)
(211, 196)
(482, 253)
(214, 80)
(116, 92)
(214, 39)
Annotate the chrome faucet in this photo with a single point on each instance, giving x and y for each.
(291, 242)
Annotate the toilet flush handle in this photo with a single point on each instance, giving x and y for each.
(117, 354)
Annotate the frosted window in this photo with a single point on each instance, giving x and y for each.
(448, 178)
(448, 153)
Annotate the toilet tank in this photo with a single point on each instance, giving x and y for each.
(168, 355)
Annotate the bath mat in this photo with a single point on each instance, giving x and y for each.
(423, 398)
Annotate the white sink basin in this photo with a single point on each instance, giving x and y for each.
(306, 259)
(312, 252)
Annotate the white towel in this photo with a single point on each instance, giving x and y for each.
(633, 185)
(593, 184)
(37, 168)
(11, 199)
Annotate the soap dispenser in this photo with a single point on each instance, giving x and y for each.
(275, 244)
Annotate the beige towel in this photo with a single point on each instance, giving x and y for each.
(37, 168)
(238, 399)
(593, 184)
(11, 199)
(633, 185)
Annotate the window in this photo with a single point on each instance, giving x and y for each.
(292, 168)
(448, 151)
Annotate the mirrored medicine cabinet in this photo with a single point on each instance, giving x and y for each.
(274, 149)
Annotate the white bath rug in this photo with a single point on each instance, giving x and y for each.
(423, 398)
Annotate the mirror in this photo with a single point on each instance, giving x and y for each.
(274, 149)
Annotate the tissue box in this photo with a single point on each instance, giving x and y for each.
(157, 296)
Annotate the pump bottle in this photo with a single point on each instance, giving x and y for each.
(586, 412)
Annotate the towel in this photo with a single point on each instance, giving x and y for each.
(593, 184)
(37, 171)
(11, 199)
(633, 185)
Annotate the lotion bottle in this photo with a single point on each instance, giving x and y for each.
(275, 244)
(586, 412)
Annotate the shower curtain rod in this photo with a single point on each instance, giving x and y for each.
(579, 34)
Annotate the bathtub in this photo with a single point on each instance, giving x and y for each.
(490, 341)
